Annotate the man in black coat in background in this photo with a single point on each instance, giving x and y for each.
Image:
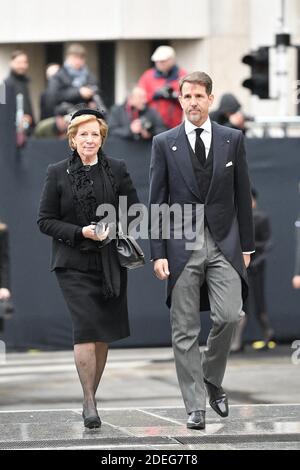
(229, 113)
(256, 301)
(74, 83)
(18, 81)
(202, 165)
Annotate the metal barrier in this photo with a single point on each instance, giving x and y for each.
(273, 126)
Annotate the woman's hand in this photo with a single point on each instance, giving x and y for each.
(89, 232)
(102, 235)
(296, 282)
(4, 293)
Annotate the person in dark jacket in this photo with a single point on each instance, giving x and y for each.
(87, 268)
(134, 119)
(56, 126)
(19, 81)
(4, 266)
(74, 83)
(161, 84)
(256, 301)
(200, 167)
(46, 100)
(229, 113)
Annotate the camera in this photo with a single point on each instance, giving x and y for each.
(166, 92)
(146, 124)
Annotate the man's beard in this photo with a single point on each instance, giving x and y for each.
(195, 117)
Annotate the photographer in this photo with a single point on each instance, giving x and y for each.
(134, 119)
(230, 114)
(74, 83)
(161, 84)
(56, 126)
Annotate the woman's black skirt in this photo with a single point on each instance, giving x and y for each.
(94, 318)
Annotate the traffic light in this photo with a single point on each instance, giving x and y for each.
(258, 83)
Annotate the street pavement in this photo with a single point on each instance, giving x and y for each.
(140, 404)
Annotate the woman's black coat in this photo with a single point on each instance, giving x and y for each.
(57, 217)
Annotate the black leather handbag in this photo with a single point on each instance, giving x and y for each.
(130, 254)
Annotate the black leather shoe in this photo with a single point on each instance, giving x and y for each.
(217, 399)
(196, 420)
(91, 422)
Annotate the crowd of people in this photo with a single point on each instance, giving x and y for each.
(150, 108)
(151, 105)
(194, 171)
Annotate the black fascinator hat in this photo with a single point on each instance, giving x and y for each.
(94, 112)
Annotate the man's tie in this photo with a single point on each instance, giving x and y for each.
(199, 147)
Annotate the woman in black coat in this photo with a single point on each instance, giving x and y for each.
(4, 266)
(92, 282)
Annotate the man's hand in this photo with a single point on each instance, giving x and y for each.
(237, 119)
(161, 269)
(136, 126)
(296, 282)
(26, 120)
(4, 293)
(145, 134)
(247, 259)
(86, 92)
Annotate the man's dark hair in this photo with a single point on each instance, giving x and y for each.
(17, 53)
(201, 78)
(76, 49)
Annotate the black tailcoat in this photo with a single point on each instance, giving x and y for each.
(227, 206)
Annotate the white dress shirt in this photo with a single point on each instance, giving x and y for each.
(206, 137)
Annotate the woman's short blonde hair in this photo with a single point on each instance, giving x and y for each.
(76, 122)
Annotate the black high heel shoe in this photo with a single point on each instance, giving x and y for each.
(91, 422)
